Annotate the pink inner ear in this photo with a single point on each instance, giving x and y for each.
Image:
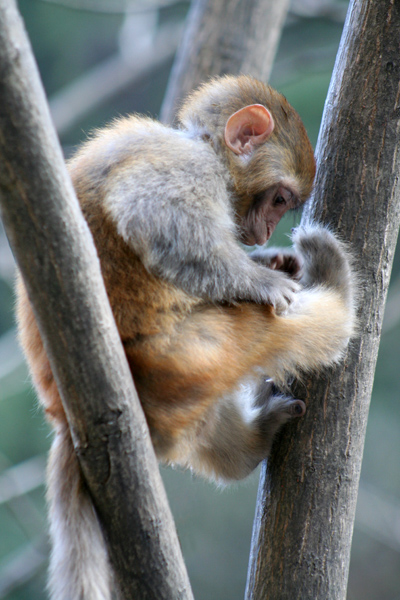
(250, 130)
(248, 127)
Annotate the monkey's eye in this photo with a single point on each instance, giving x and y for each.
(279, 200)
(283, 197)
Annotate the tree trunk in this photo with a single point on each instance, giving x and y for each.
(307, 497)
(225, 36)
(56, 255)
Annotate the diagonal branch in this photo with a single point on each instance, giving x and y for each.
(56, 256)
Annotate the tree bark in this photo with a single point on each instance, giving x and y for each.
(307, 496)
(224, 36)
(56, 255)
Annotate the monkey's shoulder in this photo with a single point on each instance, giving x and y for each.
(138, 168)
(144, 150)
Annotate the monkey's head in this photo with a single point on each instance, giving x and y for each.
(265, 146)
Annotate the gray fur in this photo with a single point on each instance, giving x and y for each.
(328, 261)
(179, 219)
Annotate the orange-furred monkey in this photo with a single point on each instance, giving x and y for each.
(208, 329)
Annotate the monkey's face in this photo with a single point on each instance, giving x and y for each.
(264, 213)
(272, 165)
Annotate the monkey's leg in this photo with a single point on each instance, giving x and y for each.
(181, 375)
(240, 429)
(189, 385)
(326, 262)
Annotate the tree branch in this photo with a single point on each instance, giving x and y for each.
(307, 499)
(224, 37)
(56, 255)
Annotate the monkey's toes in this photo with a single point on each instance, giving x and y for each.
(298, 408)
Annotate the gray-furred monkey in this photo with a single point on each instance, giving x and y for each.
(203, 325)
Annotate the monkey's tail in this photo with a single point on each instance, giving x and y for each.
(79, 566)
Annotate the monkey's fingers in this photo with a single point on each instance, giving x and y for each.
(288, 263)
(280, 259)
(277, 262)
(281, 290)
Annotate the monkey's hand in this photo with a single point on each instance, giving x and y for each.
(280, 259)
(276, 288)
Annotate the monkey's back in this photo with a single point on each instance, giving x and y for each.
(144, 305)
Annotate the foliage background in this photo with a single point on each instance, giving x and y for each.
(214, 524)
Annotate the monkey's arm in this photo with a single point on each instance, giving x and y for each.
(179, 222)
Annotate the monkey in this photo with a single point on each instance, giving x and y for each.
(211, 333)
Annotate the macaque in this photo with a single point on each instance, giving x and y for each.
(211, 333)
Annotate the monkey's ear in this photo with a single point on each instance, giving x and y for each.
(248, 127)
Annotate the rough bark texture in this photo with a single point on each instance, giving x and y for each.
(56, 255)
(225, 36)
(307, 497)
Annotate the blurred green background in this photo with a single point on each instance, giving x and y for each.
(97, 62)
